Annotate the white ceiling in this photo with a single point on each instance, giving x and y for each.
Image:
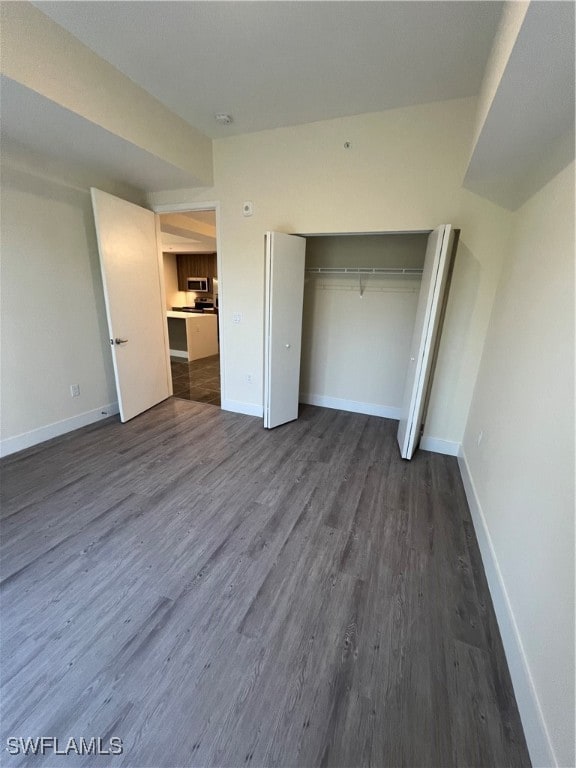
(272, 64)
(36, 123)
(528, 136)
(189, 231)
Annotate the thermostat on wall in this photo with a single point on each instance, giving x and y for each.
(248, 208)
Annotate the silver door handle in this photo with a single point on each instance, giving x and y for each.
(120, 341)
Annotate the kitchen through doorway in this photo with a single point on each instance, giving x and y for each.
(192, 298)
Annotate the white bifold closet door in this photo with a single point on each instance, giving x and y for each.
(434, 278)
(133, 293)
(284, 297)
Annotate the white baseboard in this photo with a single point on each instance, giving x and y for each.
(248, 409)
(537, 737)
(179, 353)
(340, 404)
(437, 445)
(28, 439)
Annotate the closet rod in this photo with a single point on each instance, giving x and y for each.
(364, 271)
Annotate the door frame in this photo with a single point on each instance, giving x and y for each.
(370, 232)
(305, 236)
(451, 256)
(212, 205)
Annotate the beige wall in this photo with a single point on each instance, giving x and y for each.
(53, 320)
(355, 347)
(403, 172)
(523, 468)
(367, 251)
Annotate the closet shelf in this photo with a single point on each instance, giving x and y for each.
(391, 271)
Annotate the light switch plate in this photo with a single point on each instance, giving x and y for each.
(247, 208)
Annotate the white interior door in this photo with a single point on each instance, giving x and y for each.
(434, 277)
(284, 296)
(133, 292)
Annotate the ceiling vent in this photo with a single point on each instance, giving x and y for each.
(223, 118)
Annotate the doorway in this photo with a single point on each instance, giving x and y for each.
(189, 245)
(285, 254)
(360, 299)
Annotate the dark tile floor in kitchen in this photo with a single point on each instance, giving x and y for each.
(198, 380)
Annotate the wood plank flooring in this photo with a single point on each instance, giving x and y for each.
(197, 380)
(214, 594)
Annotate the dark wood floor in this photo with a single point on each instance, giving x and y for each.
(215, 594)
(197, 380)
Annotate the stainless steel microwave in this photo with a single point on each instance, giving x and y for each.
(198, 284)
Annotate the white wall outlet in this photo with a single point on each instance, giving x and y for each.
(236, 318)
(74, 390)
(247, 208)
(249, 378)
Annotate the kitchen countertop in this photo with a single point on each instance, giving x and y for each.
(184, 315)
(194, 338)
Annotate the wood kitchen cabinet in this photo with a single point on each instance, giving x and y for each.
(195, 265)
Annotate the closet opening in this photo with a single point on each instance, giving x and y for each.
(353, 322)
(360, 300)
